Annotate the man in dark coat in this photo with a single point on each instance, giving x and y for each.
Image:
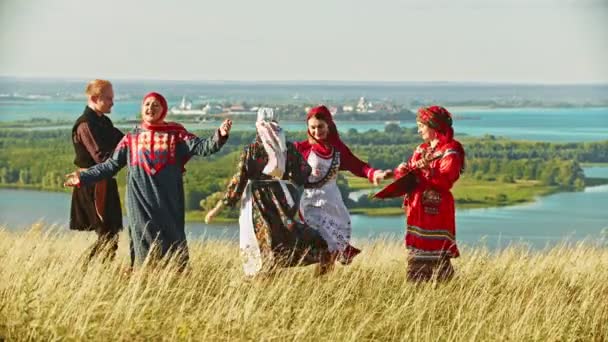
(97, 207)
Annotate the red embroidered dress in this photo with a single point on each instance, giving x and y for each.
(431, 226)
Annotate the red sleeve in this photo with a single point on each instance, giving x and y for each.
(303, 147)
(350, 162)
(85, 137)
(445, 176)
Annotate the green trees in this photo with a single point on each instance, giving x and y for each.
(41, 158)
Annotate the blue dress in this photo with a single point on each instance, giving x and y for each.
(155, 157)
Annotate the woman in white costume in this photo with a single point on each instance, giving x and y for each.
(322, 206)
(271, 235)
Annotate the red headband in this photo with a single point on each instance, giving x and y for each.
(162, 101)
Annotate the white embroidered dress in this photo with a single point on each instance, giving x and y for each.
(322, 207)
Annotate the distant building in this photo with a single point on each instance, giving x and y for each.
(239, 110)
(363, 106)
(185, 108)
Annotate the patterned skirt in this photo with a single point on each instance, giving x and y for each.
(425, 269)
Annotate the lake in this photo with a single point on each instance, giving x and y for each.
(568, 216)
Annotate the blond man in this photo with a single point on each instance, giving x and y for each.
(97, 207)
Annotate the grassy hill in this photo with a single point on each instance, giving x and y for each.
(515, 294)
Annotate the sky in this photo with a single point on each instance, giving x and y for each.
(513, 41)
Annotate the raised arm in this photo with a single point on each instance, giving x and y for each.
(203, 147)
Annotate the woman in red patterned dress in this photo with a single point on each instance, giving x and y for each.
(431, 228)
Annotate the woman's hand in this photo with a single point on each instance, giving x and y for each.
(402, 167)
(225, 127)
(72, 179)
(213, 212)
(381, 175)
(422, 163)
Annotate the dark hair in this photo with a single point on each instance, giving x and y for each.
(331, 129)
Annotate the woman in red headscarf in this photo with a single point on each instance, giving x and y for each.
(431, 228)
(321, 205)
(155, 154)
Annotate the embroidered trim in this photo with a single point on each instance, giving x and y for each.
(152, 145)
(419, 254)
(437, 234)
(331, 173)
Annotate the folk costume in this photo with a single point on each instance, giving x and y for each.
(155, 155)
(431, 227)
(271, 235)
(322, 206)
(96, 207)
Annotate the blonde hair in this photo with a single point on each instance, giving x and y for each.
(95, 87)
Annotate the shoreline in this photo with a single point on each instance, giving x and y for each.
(199, 215)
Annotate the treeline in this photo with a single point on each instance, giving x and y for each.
(491, 147)
(40, 159)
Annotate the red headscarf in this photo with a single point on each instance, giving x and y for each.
(439, 119)
(333, 138)
(163, 103)
(161, 124)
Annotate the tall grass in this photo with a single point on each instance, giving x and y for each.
(46, 294)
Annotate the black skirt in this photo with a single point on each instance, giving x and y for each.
(105, 216)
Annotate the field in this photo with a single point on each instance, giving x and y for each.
(46, 293)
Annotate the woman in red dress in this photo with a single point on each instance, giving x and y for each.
(431, 228)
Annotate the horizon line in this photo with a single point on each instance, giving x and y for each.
(295, 82)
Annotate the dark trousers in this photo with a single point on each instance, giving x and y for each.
(105, 246)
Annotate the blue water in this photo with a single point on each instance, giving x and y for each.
(538, 124)
(571, 216)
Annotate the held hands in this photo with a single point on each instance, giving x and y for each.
(225, 127)
(72, 179)
(381, 175)
(213, 212)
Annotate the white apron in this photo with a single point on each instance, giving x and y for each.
(322, 208)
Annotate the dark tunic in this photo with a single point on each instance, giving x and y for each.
(95, 207)
(283, 239)
(155, 189)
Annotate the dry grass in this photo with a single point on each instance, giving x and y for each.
(555, 295)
